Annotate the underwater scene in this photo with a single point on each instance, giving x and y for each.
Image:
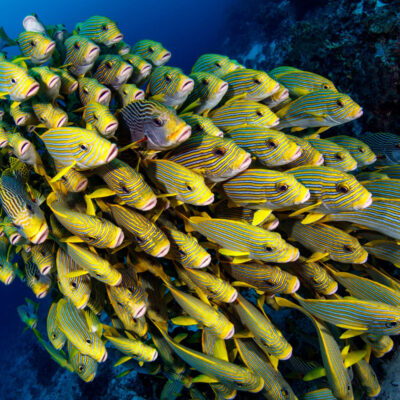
(200, 200)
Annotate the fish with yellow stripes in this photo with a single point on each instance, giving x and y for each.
(90, 90)
(201, 125)
(111, 70)
(152, 51)
(55, 335)
(309, 155)
(39, 284)
(100, 117)
(367, 377)
(43, 256)
(36, 46)
(384, 250)
(129, 93)
(141, 68)
(49, 81)
(68, 83)
(216, 64)
(7, 268)
(84, 365)
(49, 115)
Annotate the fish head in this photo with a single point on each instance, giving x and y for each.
(7, 272)
(43, 257)
(74, 181)
(36, 46)
(101, 30)
(113, 70)
(141, 68)
(348, 250)
(40, 285)
(22, 115)
(68, 83)
(90, 344)
(287, 191)
(153, 241)
(342, 108)
(92, 91)
(79, 50)
(208, 86)
(257, 114)
(274, 248)
(49, 79)
(309, 155)
(130, 93)
(83, 365)
(152, 51)
(364, 155)
(319, 278)
(216, 64)
(79, 289)
(99, 116)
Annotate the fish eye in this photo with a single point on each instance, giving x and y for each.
(168, 78)
(124, 189)
(83, 147)
(391, 324)
(85, 90)
(32, 43)
(64, 179)
(342, 188)
(325, 86)
(257, 81)
(271, 144)
(104, 28)
(259, 113)
(339, 156)
(41, 119)
(189, 188)
(220, 151)
(120, 304)
(88, 341)
(95, 117)
(205, 82)
(182, 253)
(268, 249)
(42, 252)
(81, 368)
(218, 64)
(284, 392)
(159, 122)
(73, 284)
(340, 103)
(152, 49)
(283, 187)
(53, 336)
(125, 92)
(108, 64)
(138, 239)
(362, 149)
(77, 46)
(13, 80)
(29, 207)
(347, 248)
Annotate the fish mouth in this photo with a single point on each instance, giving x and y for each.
(210, 200)
(295, 256)
(42, 294)
(104, 357)
(275, 89)
(334, 289)
(364, 260)
(3, 143)
(155, 355)
(111, 127)
(73, 87)
(50, 47)
(15, 238)
(20, 120)
(93, 51)
(33, 90)
(117, 38)
(82, 185)
(24, 147)
(163, 251)
(306, 197)
(353, 166)
(53, 82)
(140, 312)
(46, 270)
(139, 95)
(112, 153)
(62, 121)
(275, 123)
(320, 161)
(223, 88)
(273, 225)
(119, 240)
(9, 280)
(41, 236)
(284, 95)
(187, 85)
(206, 261)
(359, 114)
(297, 154)
(146, 69)
(219, 134)
(166, 56)
(104, 96)
(296, 286)
(233, 297)
(367, 203)
(245, 163)
(126, 72)
(150, 204)
(185, 134)
(286, 357)
(230, 333)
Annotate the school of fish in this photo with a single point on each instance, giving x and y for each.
(170, 215)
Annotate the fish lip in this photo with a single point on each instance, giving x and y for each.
(306, 197)
(50, 47)
(112, 153)
(273, 225)
(155, 355)
(139, 95)
(111, 127)
(46, 270)
(164, 251)
(185, 134)
(230, 333)
(296, 286)
(3, 143)
(334, 290)
(41, 235)
(146, 69)
(103, 96)
(206, 261)
(223, 88)
(354, 167)
(367, 203)
(364, 260)
(140, 312)
(119, 239)
(94, 49)
(20, 120)
(42, 294)
(127, 71)
(166, 56)
(82, 186)
(24, 147)
(150, 204)
(359, 114)
(284, 95)
(320, 161)
(275, 89)
(297, 154)
(287, 356)
(275, 123)
(9, 280)
(118, 38)
(62, 121)
(245, 163)
(233, 297)
(104, 356)
(295, 256)
(210, 200)
(15, 238)
(73, 87)
(33, 90)
(53, 81)
(188, 85)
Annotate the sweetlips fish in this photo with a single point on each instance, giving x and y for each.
(201, 125)
(111, 70)
(299, 82)
(360, 151)
(252, 84)
(158, 124)
(279, 98)
(28, 313)
(384, 250)
(393, 171)
(7, 268)
(245, 241)
(216, 64)
(90, 90)
(55, 335)
(128, 185)
(217, 159)
(68, 83)
(23, 115)
(151, 51)
(122, 48)
(36, 46)
(386, 146)
(179, 181)
(335, 156)
(72, 323)
(101, 30)
(262, 188)
(11, 234)
(49, 81)
(50, 116)
(380, 345)
(367, 377)
(84, 365)
(100, 117)
(169, 85)
(16, 82)
(78, 147)
(43, 256)
(383, 188)
(80, 54)
(141, 68)
(327, 241)
(322, 109)
(237, 113)
(129, 93)
(207, 92)
(271, 148)
(72, 180)
(25, 151)
(40, 284)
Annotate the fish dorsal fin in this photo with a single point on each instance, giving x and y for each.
(183, 320)
(354, 357)
(350, 333)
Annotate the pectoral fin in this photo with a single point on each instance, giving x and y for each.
(122, 360)
(233, 253)
(184, 321)
(76, 274)
(350, 333)
(204, 379)
(312, 217)
(317, 256)
(62, 172)
(354, 357)
(316, 373)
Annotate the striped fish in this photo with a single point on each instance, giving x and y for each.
(95, 231)
(244, 240)
(128, 185)
(252, 84)
(280, 97)
(392, 171)
(382, 216)
(100, 117)
(383, 188)
(360, 151)
(129, 93)
(77, 289)
(322, 108)
(384, 250)
(40, 284)
(232, 375)
(151, 51)
(83, 365)
(201, 125)
(148, 236)
(309, 155)
(36, 46)
(101, 30)
(371, 175)
(169, 85)
(111, 70)
(92, 91)
(332, 190)
(16, 82)
(141, 68)
(122, 48)
(319, 394)
(216, 64)
(97, 297)
(217, 159)
(11, 232)
(380, 345)
(385, 145)
(80, 54)
(207, 92)
(378, 275)
(55, 335)
(266, 278)
(187, 186)
(262, 188)
(68, 83)
(367, 378)
(23, 115)
(49, 81)
(72, 180)
(98, 267)
(43, 256)
(324, 240)
(24, 213)
(7, 269)
(300, 83)
(157, 123)
(186, 250)
(272, 148)
(357, 315)
(266, 334)
(239, 112)
(72, 323)
(49, 115)
(165, 352)
(79, 147)
(275, 385)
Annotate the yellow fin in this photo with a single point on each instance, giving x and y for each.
(243, 284)
(260, 215)
(317, 256)
(191, 106)
(350, 333)
(158, 97)
(220, 350)
(90, 208)
(354, 357)
(241, 260)
(184, 321)
(345, 351)
(312, 217)
(244, 335)
(232, 253)
(322, 129)
(308, 208)
(122, 360)
(100, 193)
(204, 379)
(130, 336)
(73, 239)
(63, 172)
(180, 337)
(76, 274)
(316, 373)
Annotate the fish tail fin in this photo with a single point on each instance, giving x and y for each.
(6, 39)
